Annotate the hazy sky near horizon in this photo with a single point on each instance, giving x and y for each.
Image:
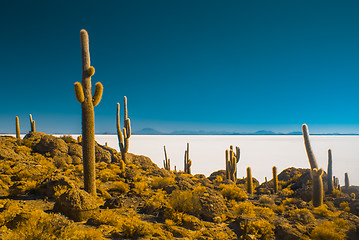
(197, 65)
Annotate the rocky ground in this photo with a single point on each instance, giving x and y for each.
(41, 197)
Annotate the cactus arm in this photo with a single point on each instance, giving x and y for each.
(308, 147)
(98, 94)
(317, 187)
(238, 153)
(17, 124)
(118, 126)
(79, 92)
(128, 127)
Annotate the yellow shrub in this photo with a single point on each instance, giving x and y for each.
(345, 206)
(133, 228)
(336, 193)
(233, 192)
(262, 229)
(140, 187)
(120, 187)
(330, 230)
(106, 175)
(162, 182)
(325, 212)
(301, 215)
(287, 192)
(249, 210)
(218, 179)
(156, 201)
(185, 201)
(265, 199)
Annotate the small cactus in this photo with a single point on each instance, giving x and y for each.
(123, 138)
(330, 172)
(32, 123)
(187, 161)
(167, 161)
(79, 138)
(346, 179)
(231, 163)
(308, 148)
(352, 195)
(265, 178)
(275, 179)
(249, 181)
(84, 96)
(17, 128)
(317, 187)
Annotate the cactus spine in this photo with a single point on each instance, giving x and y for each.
(249, 181)
(32, 123)
(275, 179)
(346, 179)
(231, 163)
(308, 148)
(187, 161)
(330, 172)
(123, 138)
(166, 162)
(17, 128)
(317, 187)
(84, 96)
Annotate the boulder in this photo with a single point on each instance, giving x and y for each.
(52, 145)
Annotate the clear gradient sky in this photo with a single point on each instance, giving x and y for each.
(196, 65)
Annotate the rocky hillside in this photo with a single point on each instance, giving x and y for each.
(42, 198)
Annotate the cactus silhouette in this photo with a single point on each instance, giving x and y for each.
(123, 138)
(231, 163)
(187, 161)
(330, 172)
(17, 124)
(79, 138)
(317, 187)
(275, 179)
(166, 162)
(32, 123)
(346, 180)
(308, 148)
(249, 181)
(88, 102)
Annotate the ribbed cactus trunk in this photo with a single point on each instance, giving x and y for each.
(167, 161)
(330, 172)
(187, 161)
(346, 179)
(32, 123)
(249, 181)
(318, 193)
(123, 138)
(84, 96)
(308, 148)
(231, 163)
(17, 124)
(275, 179)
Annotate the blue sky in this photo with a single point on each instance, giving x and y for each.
(197, 65)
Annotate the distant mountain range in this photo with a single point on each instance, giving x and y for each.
(151, 131)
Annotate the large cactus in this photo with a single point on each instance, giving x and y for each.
(167, 161)
(346, 180)
(249, 181)
(123, 138)
(187, 161)
(17, 124)
(330, 172)
(317, 187)
(308, 148)
(32, 123)
(275, 179)
(88, 102)
(231, 163)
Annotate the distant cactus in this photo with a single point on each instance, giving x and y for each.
(352, 195)
(79, 138)
(123, 138)
(275, 179)
(265, 179)
(17, 128)
(231, 163)
(88, 102)
(166, 162)
(346, 179)
(249, 181)
(317, 187)
(187, 161)
(308, 148)
(32, 123)
(330, 172)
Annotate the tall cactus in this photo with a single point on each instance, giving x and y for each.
(32, 123)
(249, 181)
(231, 163)
(167, 161)
(17, 124)
(346, 180)
(123, 138)
(317, 187)
(275, 179)
(88, 102)
(330, 172)
(187, 161)
(308, 148)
